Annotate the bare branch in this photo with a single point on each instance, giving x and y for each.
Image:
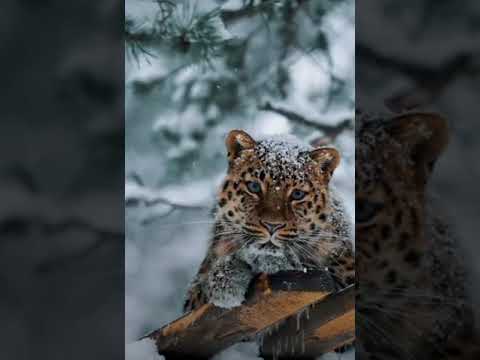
(137, 194)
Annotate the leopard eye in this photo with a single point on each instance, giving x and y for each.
(366, 211)
(298, 195)
(254, 187)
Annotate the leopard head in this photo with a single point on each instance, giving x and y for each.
(394, 160)
(275, 194)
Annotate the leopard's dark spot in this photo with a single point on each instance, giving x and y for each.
(402, 243)
(412, 257)
(398, 218)
(225, 186)
(391, 277)
(386, 232)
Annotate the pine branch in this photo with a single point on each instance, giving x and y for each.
(332, 131)
(138, 39)
(251, 10)
(146, 86)
(180, 28)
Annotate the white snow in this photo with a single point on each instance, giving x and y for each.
(241, 351)
(142, 350)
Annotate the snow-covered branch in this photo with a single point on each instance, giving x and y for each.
(158, 204)
(21, 208)
(250, 10)
(330, 131)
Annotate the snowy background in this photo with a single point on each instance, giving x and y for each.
(184, 94)
(428, 52)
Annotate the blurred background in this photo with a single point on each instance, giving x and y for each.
(61, 180)
(427, 57)
(195, 70)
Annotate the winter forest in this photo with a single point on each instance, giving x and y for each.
(195, 70)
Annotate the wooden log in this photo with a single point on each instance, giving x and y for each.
(208, 330)
(321, 327)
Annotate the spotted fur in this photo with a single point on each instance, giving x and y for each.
(290, 219)
(411, 298)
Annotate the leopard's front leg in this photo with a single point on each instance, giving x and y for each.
(228, 282)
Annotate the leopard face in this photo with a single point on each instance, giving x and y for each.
(275, 197)
(394, 159)
(391, 176)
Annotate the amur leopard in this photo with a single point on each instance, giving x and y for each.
(411, 297)
(275, 212)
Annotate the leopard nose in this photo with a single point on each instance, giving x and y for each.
(272, 227)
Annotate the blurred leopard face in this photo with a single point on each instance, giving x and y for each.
(276, 191)
(394, 158)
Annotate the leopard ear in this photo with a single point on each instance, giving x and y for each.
(424, 136)
(238, 141)
(327, 158)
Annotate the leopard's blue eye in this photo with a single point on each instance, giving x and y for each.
(298, 194)
(254, 187)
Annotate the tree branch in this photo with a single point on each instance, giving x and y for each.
(460, 63)
(137, 194)
(429, 81)
(331, 131)
(231, 16)
(250, 10)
